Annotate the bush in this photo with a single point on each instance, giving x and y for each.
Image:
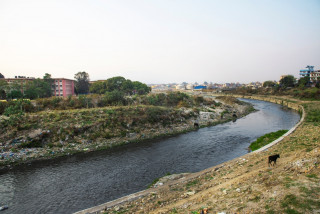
(18, 107)
(155, 114)
(3, 106)
(112, 98)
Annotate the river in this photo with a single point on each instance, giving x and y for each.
(70, 184)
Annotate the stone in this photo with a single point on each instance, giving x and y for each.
(189, 193)
(238, 189)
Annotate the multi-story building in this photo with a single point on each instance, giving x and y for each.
(315, 76)
(306, 72)
(20, 80)
(62, 87)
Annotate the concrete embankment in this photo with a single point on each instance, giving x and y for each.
(144, 198)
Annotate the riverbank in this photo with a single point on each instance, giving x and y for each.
(46, 135)
(245, 184)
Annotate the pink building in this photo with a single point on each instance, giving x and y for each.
(62, 87)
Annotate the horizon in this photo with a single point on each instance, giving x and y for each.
(160, 42)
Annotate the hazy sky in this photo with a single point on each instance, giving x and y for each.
(160, 41)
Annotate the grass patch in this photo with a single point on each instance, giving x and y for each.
(292, 202)
(192, 183)
(266, 139)
(312, 176)
(157, 179)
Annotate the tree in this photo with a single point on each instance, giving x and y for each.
(14, 94)
(47, 78)
(304, 81)
(141, 88)
(3, 89)
(269, 83)
(287, 81)
(82, 82)
(115, 83)
(98, 87)
(14, 90)
(114, 98)
(1, 76)
(120, 84)
(38, 88)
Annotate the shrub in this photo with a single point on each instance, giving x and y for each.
(18, 107)
(3, 106)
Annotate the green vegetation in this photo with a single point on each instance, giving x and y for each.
(89, 124)
(120, 84)
(287, 81)
(82, 82)
(114, 98)
(292, 204)
(37, 88)
(156, 180)
(288, 85)
(192, 183)
(313, 113)
(59, 126)
(266, 139)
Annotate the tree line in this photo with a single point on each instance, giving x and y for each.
(290, 81)
(115, 87)
(288, 85)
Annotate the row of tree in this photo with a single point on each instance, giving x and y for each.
(290, 81)
(41, 88)
(119, 84)
(37, 88)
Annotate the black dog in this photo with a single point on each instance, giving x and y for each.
(273, 158)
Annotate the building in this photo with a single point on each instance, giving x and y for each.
(190, 86)
(21, 80)
(315, 76)
(62, 87)
(306, 72)
(200, 87)
(180, 87)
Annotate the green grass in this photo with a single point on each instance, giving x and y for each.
(292, 204)
(313, 113)
(312, 176)
(266, 139)
(192, 183)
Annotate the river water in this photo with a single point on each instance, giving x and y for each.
(70, 184)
